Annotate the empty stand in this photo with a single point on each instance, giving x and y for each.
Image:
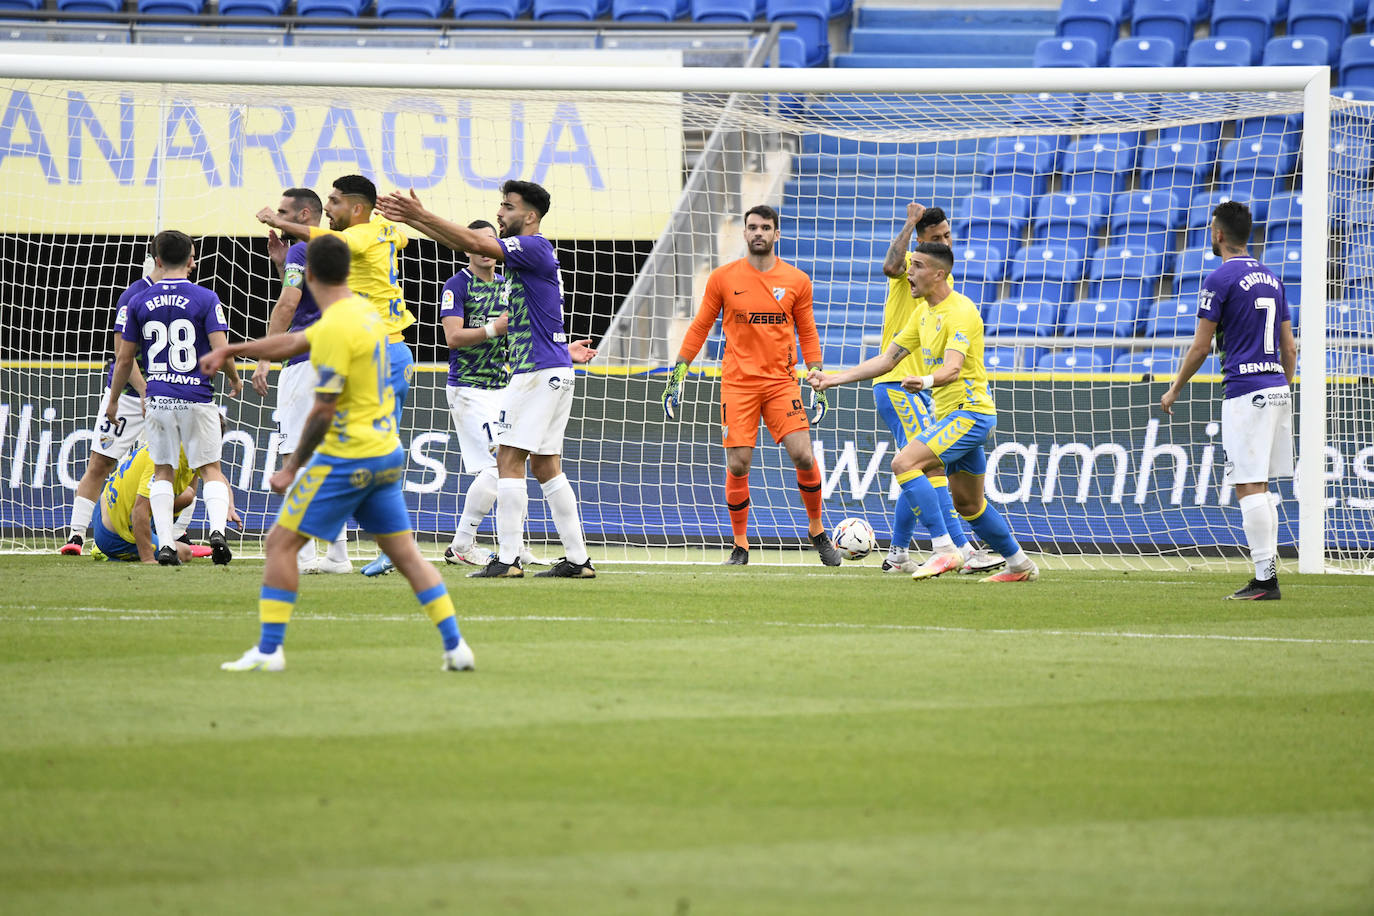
(1143, 52)
(1216, 51)
(1328, 20)
(1097, 20)
(1067, 51)
(1049, 273)
(1250, 20)
(1171, 20)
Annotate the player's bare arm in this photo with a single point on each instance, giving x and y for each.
(403, 208)
(277, 323)
(1288, 351)
(869, 368)
(316, 425)
(456, 334)
(277, 347)
(947, 373)
(125, 351)
(1197, 352)
(270, 217)
(894, 263)
(231, 371)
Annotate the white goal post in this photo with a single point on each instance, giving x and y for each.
(735, 137)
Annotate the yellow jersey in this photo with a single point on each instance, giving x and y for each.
(348, 350)
(897, 311)
(375, 272)
(952, 324)
(130, 480)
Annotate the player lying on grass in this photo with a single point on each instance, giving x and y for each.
(948, 337)
(123, 522)
(353, 460)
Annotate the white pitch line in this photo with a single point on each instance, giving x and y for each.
(105, 613)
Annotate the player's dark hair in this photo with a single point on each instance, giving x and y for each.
(172, 248)
(933, 216)
(358, 186)
(328, 260)
(304, 197)
(766, 212)
(1235, 222)
(481, 224)
(532, 194)
(937, 251)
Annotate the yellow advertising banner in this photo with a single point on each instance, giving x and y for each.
(104, 158)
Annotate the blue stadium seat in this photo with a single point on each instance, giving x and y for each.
(1175, 165)
(1192, 269)
(1155, 361)
(721, 11)
(1000, 359)
(1097, 166)
(644, 10)
(20, 5)
(1286, 262)
(1357, 61)
(1114, 107)
(1100, 318)
(1287, 129)
(813, 22)
(1358, 363)
(1171, 20)
(862, 296)
(483, 9)
(1097, 20)
(1350, 159)
(1070, 219)
(1296, 51)
(828, 247)
(1129, 275)
(1256, 168)
(1284, 223)
(1197, 223)
(1046, 111)
(978, 271)
(1172, 318)
(90, 6)
(844, 346)
(1066, 51)
(1048, 273)
(171, 7)
(1349, 319)
(1016, 318)
(1354, 93)
(1143, 52)
(411, 9)
(997, 220)
(1249, 20)
(840, 7)
(1220, 52)
(252, 7)
(324, 8)
(1145, 219)
(565, 10)
(1076, 359)
(1328, 20)
(1019, 165)
(1359, 219)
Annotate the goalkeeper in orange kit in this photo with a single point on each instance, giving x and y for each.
(766, 306)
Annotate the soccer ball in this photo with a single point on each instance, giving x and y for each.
(854, 538)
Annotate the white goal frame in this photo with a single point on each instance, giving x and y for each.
(212, 66)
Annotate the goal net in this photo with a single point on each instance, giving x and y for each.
(1079, 223)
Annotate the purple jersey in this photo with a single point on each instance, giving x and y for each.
(172, 322)
(476, 301)
(1248, 304)
(121, 318)
(535, 338)
(307, 312)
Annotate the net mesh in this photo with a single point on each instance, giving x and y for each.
(1079, 224)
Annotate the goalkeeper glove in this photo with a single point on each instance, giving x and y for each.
(672, 395)
(819, 405)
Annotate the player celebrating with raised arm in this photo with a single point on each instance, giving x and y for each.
(1244, 306)
(948, 334)
(353, 460)
(536, 403)
(906, 413)
(172, 324)
(295, 310)
(767, 307)
(375, 277)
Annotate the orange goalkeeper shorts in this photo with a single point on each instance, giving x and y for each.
(778, 403)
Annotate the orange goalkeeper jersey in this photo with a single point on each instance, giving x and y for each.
(765, 313)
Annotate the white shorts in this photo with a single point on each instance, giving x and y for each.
(474, 413)
(1257, 435)
(295, 397)
(115, 440)
(174, 424)
(534, 411)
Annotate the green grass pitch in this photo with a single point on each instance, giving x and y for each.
(687, 740)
